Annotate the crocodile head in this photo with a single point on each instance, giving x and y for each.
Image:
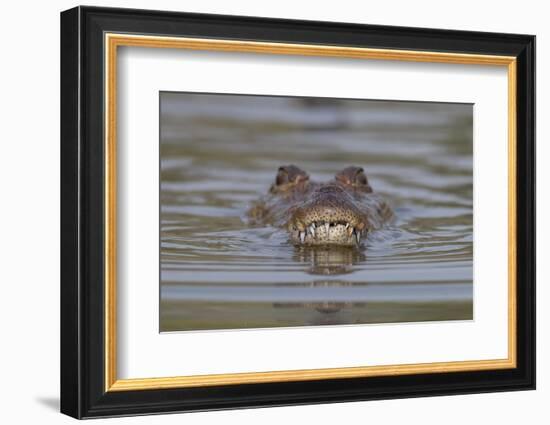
(340, 211)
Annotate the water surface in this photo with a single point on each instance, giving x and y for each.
(219, 153)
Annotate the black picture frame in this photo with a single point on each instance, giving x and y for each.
(83, 392)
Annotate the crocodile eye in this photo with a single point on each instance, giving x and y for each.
(290, 174)
(282, 177)
(361, 178)
(354, 176)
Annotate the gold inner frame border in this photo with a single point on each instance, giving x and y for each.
(113, 40)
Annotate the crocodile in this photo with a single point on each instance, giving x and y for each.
(339, 212)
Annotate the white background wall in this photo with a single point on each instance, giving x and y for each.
(29, 224)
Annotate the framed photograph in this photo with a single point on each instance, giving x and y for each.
(261, 212)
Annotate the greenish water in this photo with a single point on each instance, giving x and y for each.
(220, 152)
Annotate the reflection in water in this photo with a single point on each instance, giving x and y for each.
(328, 260)
(326, 305)
(220, 153)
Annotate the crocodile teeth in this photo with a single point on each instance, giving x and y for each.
(350, 231)
(347, 225)
(312, 230)
(327, 225)
(302, 236)
(358, 237)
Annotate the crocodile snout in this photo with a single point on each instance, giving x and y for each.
(330, 216)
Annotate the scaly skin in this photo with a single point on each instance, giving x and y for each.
(339, 212)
